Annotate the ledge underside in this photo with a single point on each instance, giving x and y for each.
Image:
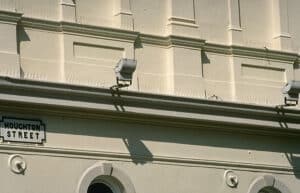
(26, 96)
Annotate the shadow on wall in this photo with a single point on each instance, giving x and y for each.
(294, 160)
(22, 36)
(117, 102)
(134, 133)
(296, 65)
(204, 58)
(139, 153)
(135, 145)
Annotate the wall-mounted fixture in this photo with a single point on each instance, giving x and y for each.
(291, 93)
(124, 71)
(17, 164)
(231, 179)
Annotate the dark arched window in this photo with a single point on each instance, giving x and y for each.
(269, 190)
(99, 188)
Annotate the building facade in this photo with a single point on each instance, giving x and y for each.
(204, 112)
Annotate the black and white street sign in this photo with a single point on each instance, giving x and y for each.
(22, 130)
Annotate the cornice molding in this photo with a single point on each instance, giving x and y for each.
(264, 53)
(251, 52)
(166, 41)
(186, 41)
(171, 40)
(80, 29)
(42, 24)
(114, 33)
(126, 157)
(75, 101)
(10, 17)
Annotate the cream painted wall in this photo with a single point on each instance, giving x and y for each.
(231, 50)
(155, 158)
(95, 12)
(150, 16)
(43, 9)
(175, 177)
(36, 63)
(79, 42)
(256, 22)
(294, 29)
(212, 18)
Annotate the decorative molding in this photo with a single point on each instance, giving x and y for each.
(183, 17)
(68, 4)
(72, 4)
(69, 27)
(217, 48)
(103, 170)
(166, 41)
(234, 28)
(48, 25)
(124, 13)
(70, 100)
(10, 17)
(126, 157)
(283, 35)
(282, 38)
(235, 22)
(267, 181)
(68, 10)
(263, 53)
(172, 40)
(125, 35)
(182, 22)
(186, 41)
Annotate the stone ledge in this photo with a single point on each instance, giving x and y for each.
(126, 157)
(10, 17)
(63, 99)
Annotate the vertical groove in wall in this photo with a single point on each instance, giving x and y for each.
(239, 12)
(170, 70)
(233, 83)
(18, 49)
(234, 14)
(62, 58)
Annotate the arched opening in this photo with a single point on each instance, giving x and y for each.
(105, 184)
(269, 190)
(99, 188)
(103, 178)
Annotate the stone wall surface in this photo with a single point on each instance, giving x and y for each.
(232, 50)
(154, 158)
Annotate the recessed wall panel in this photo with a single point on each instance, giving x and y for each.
(263, 72)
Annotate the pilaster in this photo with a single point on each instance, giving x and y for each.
(281, 36)
(8, 5)
(235, 24)
(9, 54)
(186, 77)
(181, 18)
(123, 14)
(68, 10)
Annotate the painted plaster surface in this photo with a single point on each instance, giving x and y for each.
(240, 51)
(49, 41)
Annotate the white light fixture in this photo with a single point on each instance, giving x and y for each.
(124, 71)
(291, 92)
